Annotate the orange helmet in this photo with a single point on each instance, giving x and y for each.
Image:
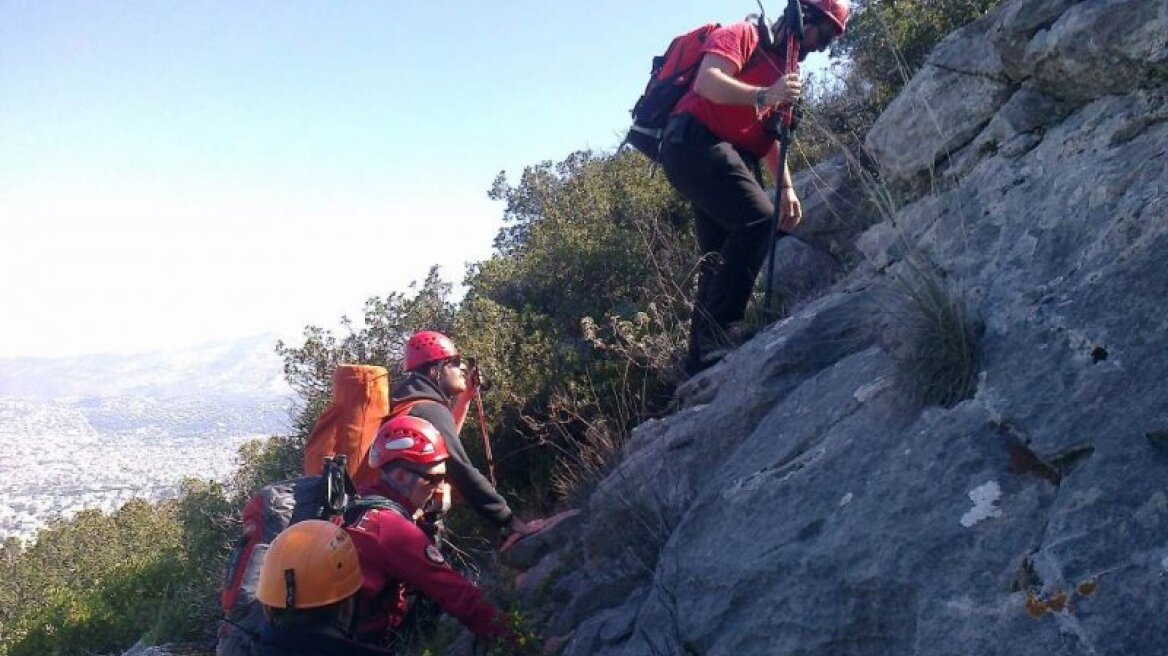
(409, 439)
(310, 564)
(426, 347)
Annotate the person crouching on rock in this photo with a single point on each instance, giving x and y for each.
(396, 555)
(307, 587)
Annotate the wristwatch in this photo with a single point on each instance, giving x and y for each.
(760, 99)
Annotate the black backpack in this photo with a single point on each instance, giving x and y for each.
(670, 78)
(329, 496)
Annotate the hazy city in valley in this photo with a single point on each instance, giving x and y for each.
(97, 431)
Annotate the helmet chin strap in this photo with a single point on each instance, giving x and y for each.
(345, 619)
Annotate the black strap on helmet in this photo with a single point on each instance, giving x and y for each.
(290, 588)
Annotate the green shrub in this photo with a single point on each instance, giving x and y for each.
(265, 461)
(598, 252)
(95, 583)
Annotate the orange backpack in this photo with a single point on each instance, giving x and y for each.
(347, 427)
(359, 404)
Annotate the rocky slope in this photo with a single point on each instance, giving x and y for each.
(802, 501)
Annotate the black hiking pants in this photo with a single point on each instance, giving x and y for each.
(732, 219)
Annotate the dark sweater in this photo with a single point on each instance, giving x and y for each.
(469, 481)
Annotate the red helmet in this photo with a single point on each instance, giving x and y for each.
(407, 438)
(836, 11)
(426, 347)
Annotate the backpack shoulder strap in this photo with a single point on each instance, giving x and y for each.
(755, 57)
(403, 408)
(365, 503)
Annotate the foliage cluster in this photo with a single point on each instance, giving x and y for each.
(100, 582)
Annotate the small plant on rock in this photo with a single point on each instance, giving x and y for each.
(934, 338)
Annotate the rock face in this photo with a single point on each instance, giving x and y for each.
(801, 501)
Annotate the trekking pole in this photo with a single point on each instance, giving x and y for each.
(483, 384)
(486, 439)
(787, 119)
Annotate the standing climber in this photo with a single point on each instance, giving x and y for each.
(396, 556)
(711, 150)
(438, 388)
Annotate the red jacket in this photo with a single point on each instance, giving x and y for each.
(395, 553)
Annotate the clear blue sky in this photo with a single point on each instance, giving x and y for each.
(173, 172)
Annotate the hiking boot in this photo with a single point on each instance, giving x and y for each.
(708, 353)
(695, 367)
(708, 358)
(715, 353)
(726, 339)
(714, 343)
(739, 333)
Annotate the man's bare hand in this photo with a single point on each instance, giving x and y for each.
(784, 92)
(792, 209)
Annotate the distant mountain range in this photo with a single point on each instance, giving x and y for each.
(246, 367)
(96, 430)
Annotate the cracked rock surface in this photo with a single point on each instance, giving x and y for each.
(800, 502)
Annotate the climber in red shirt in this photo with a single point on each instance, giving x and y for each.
(711, 152)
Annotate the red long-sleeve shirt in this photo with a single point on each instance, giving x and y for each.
(394, 554)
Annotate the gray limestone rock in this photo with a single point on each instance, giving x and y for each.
(798, 503)
(832, 195)
(801, 271)
(1015, 24)
(942, 108)
(1099, 48)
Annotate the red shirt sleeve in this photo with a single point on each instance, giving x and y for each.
(402, 552)
(732, 42)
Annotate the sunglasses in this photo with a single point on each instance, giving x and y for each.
(433, 479)
(456, 361)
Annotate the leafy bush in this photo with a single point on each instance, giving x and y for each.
(95, 583)
(265, 461)
(598, 252)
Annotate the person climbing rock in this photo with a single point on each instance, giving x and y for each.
(711, 151)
